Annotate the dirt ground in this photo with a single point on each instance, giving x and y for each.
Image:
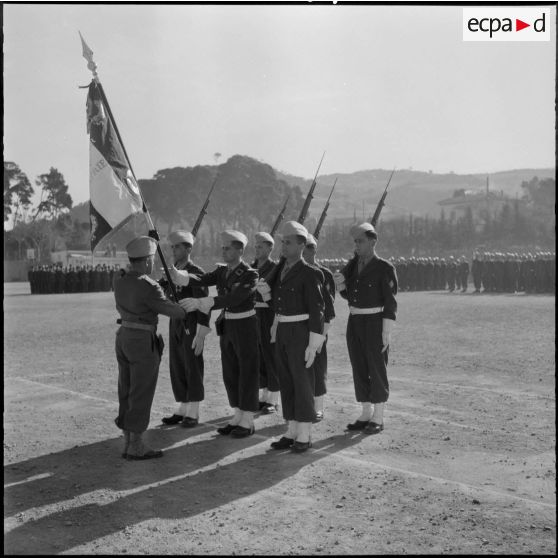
(466, 463)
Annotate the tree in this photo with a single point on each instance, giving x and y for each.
(54, 195)
(17, 191)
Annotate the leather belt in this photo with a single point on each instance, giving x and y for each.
(295, 318)
(135, 325)
(261, 305)
(376, 310)
(239, 315)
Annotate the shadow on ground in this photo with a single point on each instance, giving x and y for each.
(72, 475)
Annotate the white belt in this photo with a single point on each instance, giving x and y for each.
(239, 315)
(295, 318)
(261, 305)
(376, 310)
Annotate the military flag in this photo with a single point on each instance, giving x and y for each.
(114, 193)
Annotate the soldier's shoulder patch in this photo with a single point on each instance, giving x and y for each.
(149, 280)
(391, 284)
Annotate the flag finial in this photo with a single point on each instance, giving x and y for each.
(88, 55)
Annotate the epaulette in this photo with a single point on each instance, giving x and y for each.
(149, 280)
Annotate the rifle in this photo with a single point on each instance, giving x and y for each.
(279, 217)
(309, 196)
(324, 213)
(381, 203)
(203, 210)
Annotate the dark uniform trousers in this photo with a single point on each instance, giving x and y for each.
(241, 363)
(320, 361)
(296, 381)
(238, 338)
(364, 341)
(186, 369)
(268, 371)
(320, 371)
(297, 291)
(375, 286)
(138, 357)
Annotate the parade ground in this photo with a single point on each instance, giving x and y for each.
(466, 463)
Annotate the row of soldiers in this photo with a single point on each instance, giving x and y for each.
(490, 272)
(273, 323)
(55, 278)
(514, 273)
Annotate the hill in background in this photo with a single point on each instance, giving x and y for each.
(358, 193)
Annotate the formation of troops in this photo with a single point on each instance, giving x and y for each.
(55, 278)
(487, 272)
(273, 321)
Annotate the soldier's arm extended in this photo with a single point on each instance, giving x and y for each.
(157, 302)
(200, 292)
(245, 288)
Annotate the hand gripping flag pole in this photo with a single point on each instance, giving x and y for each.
(114, 190)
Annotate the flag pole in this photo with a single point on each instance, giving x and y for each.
(92, 66)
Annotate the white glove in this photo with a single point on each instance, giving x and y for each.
(339, 279)
(315, 343)
(273, 329)
(179, 276)
(204, 304)
(387, 328)
(264, 289)
(199, 339)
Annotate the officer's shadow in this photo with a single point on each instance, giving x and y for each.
(187, 481)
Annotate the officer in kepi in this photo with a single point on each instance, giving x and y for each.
(369, 284)
(139, 300)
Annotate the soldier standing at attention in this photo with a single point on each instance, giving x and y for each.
(328, 293)
(451, 274)
(269, 382)
(186, 339)
(139, 300)
(463, 271)
(237, 327)
(369, 284)
(297, 332)
(476, 271)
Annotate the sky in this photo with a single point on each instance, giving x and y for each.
(372, 86)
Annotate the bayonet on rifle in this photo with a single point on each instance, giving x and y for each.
(309, 196)
(324, 213)
(381, 203)
(203, 210)
(280, 217)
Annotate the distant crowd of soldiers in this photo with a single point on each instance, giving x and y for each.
(55, 278)
(490, 272)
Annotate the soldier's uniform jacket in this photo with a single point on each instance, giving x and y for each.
(300, 292)
(190, 291)
(235, 293)
(328, 292)
(263, 271)
(375, 286)
(139, 299)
